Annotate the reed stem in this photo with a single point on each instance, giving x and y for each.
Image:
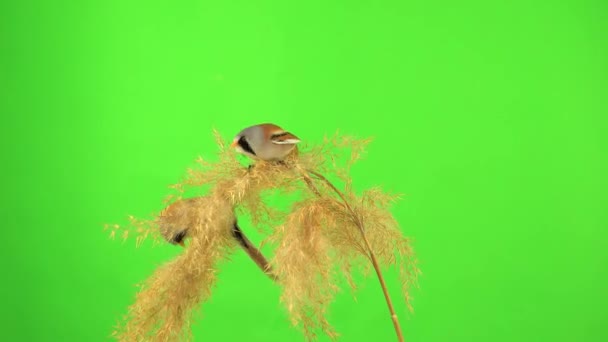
(371, 255)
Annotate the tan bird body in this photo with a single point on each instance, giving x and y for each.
(265, 141)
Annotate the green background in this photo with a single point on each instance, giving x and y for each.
(489, 116)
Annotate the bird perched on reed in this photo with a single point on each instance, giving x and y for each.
(176, 223)
(265, 141)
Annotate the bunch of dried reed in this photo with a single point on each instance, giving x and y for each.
(323, 236)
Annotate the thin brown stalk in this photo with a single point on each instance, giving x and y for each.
(372, 255)
(311, 184)
(254, 253)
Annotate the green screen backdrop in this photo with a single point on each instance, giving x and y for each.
(489, 116)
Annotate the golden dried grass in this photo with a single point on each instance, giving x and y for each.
(325, 234)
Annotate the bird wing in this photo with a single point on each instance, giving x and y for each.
(284, 138)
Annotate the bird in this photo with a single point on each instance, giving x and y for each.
(175, 220)
(265, 141)
(176, 223)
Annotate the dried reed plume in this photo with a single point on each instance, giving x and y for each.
(324, 235)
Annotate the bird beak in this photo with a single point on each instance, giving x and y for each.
(234, 142)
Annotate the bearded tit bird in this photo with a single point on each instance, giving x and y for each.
(266, 141)
(176, 222)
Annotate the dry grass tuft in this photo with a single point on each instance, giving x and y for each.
(326, 233)
(320, 243)
(163, 307)
(304, 265)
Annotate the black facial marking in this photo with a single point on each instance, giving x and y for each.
(245, 145)
(179, 237)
